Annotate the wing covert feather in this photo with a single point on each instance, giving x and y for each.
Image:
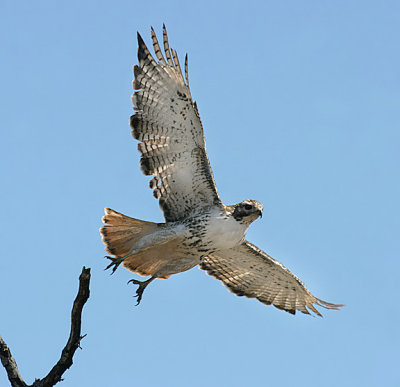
(248, 271)
(168, 126)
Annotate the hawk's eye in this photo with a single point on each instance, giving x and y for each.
(248, 207)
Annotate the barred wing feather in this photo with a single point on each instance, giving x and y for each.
(168, 126)
(248, 271)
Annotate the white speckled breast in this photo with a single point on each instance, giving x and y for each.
(224, 232)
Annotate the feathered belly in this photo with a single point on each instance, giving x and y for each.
(224, 233)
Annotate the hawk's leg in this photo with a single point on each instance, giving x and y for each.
(115, 262)
(142, 286)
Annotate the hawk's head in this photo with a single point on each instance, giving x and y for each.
(247, 211)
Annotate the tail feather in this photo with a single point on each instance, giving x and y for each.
(120, 235)
(146, 264)
(115, 218)
(121, 232)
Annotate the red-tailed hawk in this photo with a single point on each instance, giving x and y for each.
(199, 229)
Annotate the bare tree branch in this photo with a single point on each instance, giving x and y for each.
(65, 362)
(10, 365)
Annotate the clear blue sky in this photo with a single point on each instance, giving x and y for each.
(300, 101)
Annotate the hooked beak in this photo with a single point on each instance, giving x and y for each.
(260, 213)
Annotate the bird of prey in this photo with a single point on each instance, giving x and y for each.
(199, 229)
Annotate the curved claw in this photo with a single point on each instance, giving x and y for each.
(135, 282)
(140, 289)
(115, 262)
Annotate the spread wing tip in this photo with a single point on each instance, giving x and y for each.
(171, 56)
(329, 305)
(310, 306)
(186, 70)
(305, 306)
(139, 38)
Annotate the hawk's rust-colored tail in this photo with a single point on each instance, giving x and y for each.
(121, 232)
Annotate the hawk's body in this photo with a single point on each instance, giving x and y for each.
(199, 228)
(187, 241)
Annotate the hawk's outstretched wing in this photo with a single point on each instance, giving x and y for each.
(169, 129)
(248, 271)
